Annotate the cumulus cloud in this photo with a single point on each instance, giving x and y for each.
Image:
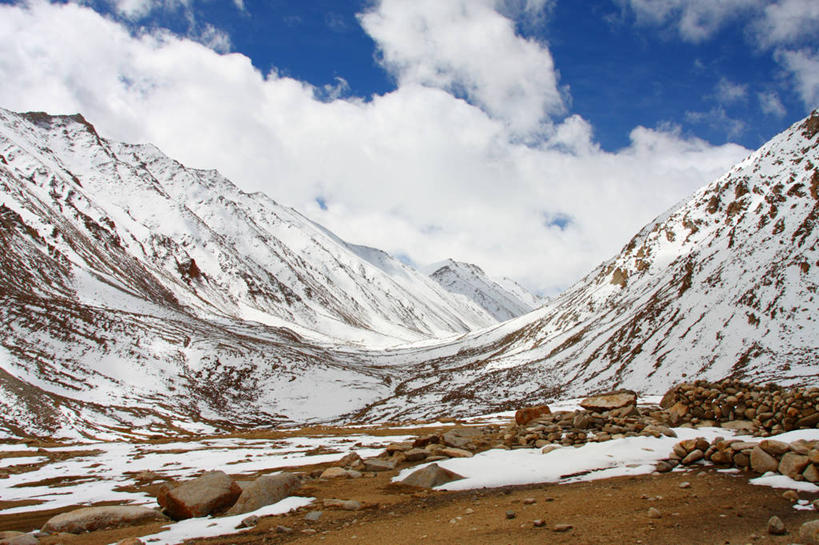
(419, 171)
(694, 20)
(770, 104)
(804, 65)
(468, 48)
(728, 92)
(787, 22)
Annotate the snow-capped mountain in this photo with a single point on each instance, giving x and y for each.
(503, 300)
(138, 296)
(152, 227)
(724, 284)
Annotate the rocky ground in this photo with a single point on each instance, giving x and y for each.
(700, 491)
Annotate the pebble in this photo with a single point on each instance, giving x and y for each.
(313, 515)
(539, 523)
(654, 513)
(529, 501)
(511, 514)
(791, 495)
(685, 484)
(775, 526)
(284, 530)
(562, 527)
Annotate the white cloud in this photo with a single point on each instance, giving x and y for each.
(804, 66)
(469, 48)
(787, 22)
(728, 92)
(770, 104)
(694, 20)
(416, 171)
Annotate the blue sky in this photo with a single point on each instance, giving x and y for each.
(532, 137)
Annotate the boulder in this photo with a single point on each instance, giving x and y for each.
(334, 473)
(809, 533)
(527, 414)
(793, 464)
(89, 519)
(376, 464)
(431, 476)
(349, 460)
(415, 455)
(460, 437)
(677, 413)
(456, 452)
(811, 473)
(211, 493)
(775, 526)
(773, 447)
(762, 462)
(266, 490)
(609, 401)
(693, 456)
(20, 539)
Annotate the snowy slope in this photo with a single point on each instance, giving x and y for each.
(725, 284)
(503, 299)
(208, 245)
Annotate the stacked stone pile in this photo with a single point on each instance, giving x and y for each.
(798, 460)
(768, 409)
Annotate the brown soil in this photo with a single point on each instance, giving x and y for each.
(716, 508)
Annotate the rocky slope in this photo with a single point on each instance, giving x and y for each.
(503, 300)
(723, 285)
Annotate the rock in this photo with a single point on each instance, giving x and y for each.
(538, 523)
(131, 541)
(249, 522)
(739, 425)
(654, 513)
(453, 452)
(8, 534)
(349, 460)
(347, 505)
(21, 539)
(284, 530)
(527, 414)
(677, 413)
(813, 456)
(431, 476)
(510, 514)
(549, 448)
(609, 401)
(89, 519)
(562, 527)
(529, 501)
(773, 447)
(460, 437)
(815, 504)
(722, 457)
(792, 464)
(811, 473)
(212, 492)
(376, 464)
(762, 462)
(415, 455)
(809, 532)
(335, 473)
(685, 484)
(664, 467)
(313, 516)
(791, 495)
(693, 456)
(808, 421)
(266, 490)
(775, 526)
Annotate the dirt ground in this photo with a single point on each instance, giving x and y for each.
(716, 508)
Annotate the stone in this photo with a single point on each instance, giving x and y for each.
(664, 467)
(654, 513)
(792, 464)
(529, 501)
(538, 523)
(609, 401)
(131, 541)
(89, 519)
(791, 495)
(811, 473)
(211, 493)
(400, 446)
(527, 414)
(22, 539)
(813, 456)
(693, 456)
(809, 532)
(739, 425)
(774, 447)
(431, 476)
(510, 514)
(808, 421)
(248, 522)
(762, 461)
(415, 455)
(722, 457)
(562, 527)
(349, 460)
(284, 529)
(685, 484)
(775, 526)
(549, 448)
(347, 505)
(376, 464)
(335, 473)
(460, 437)
(453, 452)
(677, 413)
(266, 490)
(313, 516)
